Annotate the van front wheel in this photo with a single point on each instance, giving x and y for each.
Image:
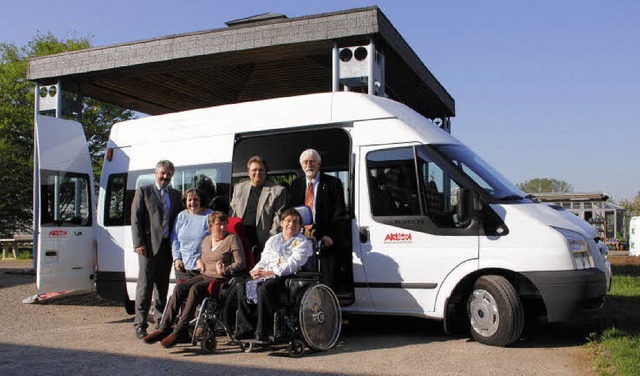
(495, 312)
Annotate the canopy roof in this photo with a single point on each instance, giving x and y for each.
(259, 57)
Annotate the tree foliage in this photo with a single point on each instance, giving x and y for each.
(545, 185)
(16, 127)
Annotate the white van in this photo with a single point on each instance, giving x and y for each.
(432, 230)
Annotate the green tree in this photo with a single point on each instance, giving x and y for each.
(545, 185)
(16, 127)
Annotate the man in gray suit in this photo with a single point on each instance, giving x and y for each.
(259, 203)
(153, 212)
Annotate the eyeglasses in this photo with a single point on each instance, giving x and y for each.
(291, 221)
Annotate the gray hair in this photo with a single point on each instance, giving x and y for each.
(165, 163)
(311, 153)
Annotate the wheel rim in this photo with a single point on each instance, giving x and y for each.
(296, 348)
(320, 317)
(208, 343)
(483, 313)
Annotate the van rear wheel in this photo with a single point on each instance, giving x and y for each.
(495, 312)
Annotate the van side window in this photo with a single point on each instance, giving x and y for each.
(213, 180)
(439, 194)
(65, 199)
(114, 208)
(393, 187)
(406, 182)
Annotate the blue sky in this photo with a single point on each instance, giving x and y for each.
(542, 88)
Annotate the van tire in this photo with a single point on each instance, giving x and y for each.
(495, 312)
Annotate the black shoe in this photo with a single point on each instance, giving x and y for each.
(141, 332)
(243, 334)
(262, 337)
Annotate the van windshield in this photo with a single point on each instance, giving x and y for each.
(482, 173)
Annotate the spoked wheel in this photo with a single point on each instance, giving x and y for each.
(246, 346)
(229, 310)
(320, 317)
(209, 343)
(495, 312)
(296, 348)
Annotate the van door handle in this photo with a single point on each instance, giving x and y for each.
(364, 234)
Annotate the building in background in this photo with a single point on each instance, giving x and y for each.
(608, 218)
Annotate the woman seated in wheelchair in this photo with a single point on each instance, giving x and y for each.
(222, 255)
(260, 297)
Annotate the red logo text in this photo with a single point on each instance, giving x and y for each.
(398, 237)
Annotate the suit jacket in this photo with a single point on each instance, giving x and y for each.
(146, 216)
(271, 203)
(330, 215)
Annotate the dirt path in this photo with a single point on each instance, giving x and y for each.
(81, 334)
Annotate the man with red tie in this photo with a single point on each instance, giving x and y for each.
(324, 194)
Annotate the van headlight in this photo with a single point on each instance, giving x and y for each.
(578, 248)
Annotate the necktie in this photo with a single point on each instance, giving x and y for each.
(165, 218)
(308, 200)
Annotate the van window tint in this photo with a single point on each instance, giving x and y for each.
(65, 199)
(392, 182)
(114, 208)
(213, 180)
(404, 183)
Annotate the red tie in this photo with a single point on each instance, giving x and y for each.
(308, 200)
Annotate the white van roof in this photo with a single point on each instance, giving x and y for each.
(273, 114)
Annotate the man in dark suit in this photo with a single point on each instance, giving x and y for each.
(153, 212)
(324, 194)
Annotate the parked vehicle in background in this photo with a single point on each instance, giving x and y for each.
(634, 236)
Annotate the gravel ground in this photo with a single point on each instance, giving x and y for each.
(81, 334)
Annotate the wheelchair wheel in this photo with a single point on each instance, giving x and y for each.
(246, 346)
(208, 344)
(296, 348)
(320, 317)
(229, 310)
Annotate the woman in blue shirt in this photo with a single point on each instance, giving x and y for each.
(189, 230)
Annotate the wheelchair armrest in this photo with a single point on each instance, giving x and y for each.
(307, 275)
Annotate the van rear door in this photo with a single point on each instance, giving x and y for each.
(65, 207)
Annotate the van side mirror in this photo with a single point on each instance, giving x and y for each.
(467, 199)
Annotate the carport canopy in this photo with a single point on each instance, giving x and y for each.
(259, 57)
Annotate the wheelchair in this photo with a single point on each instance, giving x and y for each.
(208, 322)
(310, 314)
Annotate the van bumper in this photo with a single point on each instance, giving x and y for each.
(570, 293)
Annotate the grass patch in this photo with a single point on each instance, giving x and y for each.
(617, 345)
(24, 255)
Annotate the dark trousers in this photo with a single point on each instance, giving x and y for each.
(153, 279)
(184, 275)
(186, 295)
(269, 300)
